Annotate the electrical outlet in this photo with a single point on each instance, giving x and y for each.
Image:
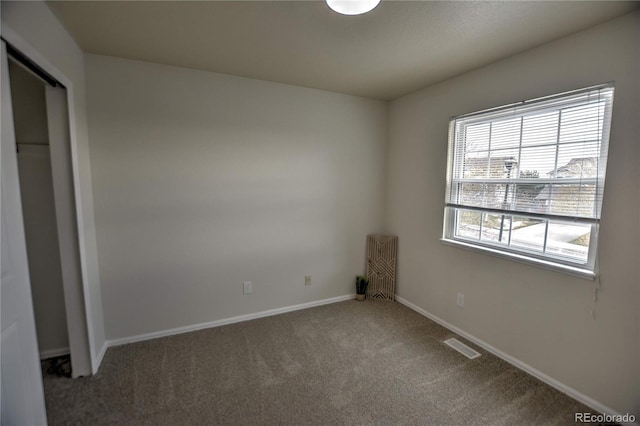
(460, 300)
(247, 287)
(307, 280)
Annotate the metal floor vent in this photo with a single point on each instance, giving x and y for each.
(462, 348)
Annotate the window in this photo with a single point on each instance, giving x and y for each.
(526, 180)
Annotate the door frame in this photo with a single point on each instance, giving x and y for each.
(22, 393)
(82, 312)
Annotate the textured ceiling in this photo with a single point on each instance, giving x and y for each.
(399, 47)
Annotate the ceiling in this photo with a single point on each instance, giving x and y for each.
(399, 47)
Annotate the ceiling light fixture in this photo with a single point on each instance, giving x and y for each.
(352, 7)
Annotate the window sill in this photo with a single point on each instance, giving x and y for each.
(570, 270)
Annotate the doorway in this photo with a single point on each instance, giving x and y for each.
(47, 186)
(38, 208)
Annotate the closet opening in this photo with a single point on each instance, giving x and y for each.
(42, 140)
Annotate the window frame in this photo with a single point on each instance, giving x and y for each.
(588, 269)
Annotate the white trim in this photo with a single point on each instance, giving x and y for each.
(567, 390)
(522, 258)
(29, 51)
(224, 321)
(52, 353)
(79, 222)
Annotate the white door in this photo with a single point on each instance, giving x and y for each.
(22, 397)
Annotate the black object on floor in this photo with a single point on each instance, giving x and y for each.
(59, 366)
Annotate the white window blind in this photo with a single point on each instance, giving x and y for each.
(528, 178)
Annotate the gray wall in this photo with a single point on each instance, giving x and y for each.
(540, 317)
(203, 181)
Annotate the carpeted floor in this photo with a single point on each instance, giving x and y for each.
(349, 363)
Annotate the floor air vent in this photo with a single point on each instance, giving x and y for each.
(462, 348)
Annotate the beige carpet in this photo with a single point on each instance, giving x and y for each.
(372, 362)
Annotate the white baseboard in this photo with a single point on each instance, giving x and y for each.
(218, 323)
(589, 402)
(52, 353)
